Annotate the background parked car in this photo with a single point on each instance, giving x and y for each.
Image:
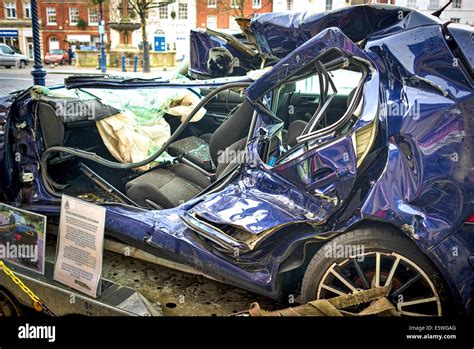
(9, 58)
(58, 56)
(16, 50)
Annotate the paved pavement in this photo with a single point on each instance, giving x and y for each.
(16, 79)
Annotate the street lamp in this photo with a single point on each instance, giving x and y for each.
(39, 74)
(103, 59)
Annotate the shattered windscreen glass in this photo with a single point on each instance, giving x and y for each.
(140, 128)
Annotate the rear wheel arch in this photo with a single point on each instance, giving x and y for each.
(387, 242)
(291, 269)
(308, 248)
(289, 281)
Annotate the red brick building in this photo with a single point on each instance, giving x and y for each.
(220, 14)
(70, 21)
(15, 25)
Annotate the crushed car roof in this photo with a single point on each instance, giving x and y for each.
(278, 34)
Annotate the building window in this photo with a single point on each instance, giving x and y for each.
(289, 5)
(411, 3)
(51, 15)
(182, 11)
(53, 43)
(256, 3)
(455, 20)
(93, 17)
(10, 10)
(211, 22)
(27, 9)
(434, 4)
(73, 16)
(457, 3)
(328, 5)
(163, 11)
(212, 3)
(234, 3)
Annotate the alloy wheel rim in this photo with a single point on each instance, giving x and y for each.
(413, 293)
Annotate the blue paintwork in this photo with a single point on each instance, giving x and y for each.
(421, 182)
(279, 34)
(265, 197)
(434, 130)
(464, 36)
(452, 258)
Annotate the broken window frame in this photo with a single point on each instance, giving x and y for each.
(324, 134)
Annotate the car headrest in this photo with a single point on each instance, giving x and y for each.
(295, 129)
(70, 110)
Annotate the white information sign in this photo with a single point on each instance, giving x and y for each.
(80, 245)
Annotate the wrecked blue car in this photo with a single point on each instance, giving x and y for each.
(346, 164)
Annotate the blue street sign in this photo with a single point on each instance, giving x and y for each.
(8, 33)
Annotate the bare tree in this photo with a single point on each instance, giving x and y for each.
(237, 7)
(142, 9)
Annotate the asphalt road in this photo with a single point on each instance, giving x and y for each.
(16, 79)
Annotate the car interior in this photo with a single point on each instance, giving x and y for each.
(196, 150)
(167, 185)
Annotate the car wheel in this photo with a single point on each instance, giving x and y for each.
(8, 305)
(62, 62)
(22, 65)
(8, 66)
(376, 257)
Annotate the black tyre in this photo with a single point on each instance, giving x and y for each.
(22, 65)
(62, 62)
(8, 66)
(375, 257)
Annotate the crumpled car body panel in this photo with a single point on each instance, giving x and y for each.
(421, 180)
(278, 34)
(428, 146)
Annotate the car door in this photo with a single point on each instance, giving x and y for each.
(326, 172)
(312, 179)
